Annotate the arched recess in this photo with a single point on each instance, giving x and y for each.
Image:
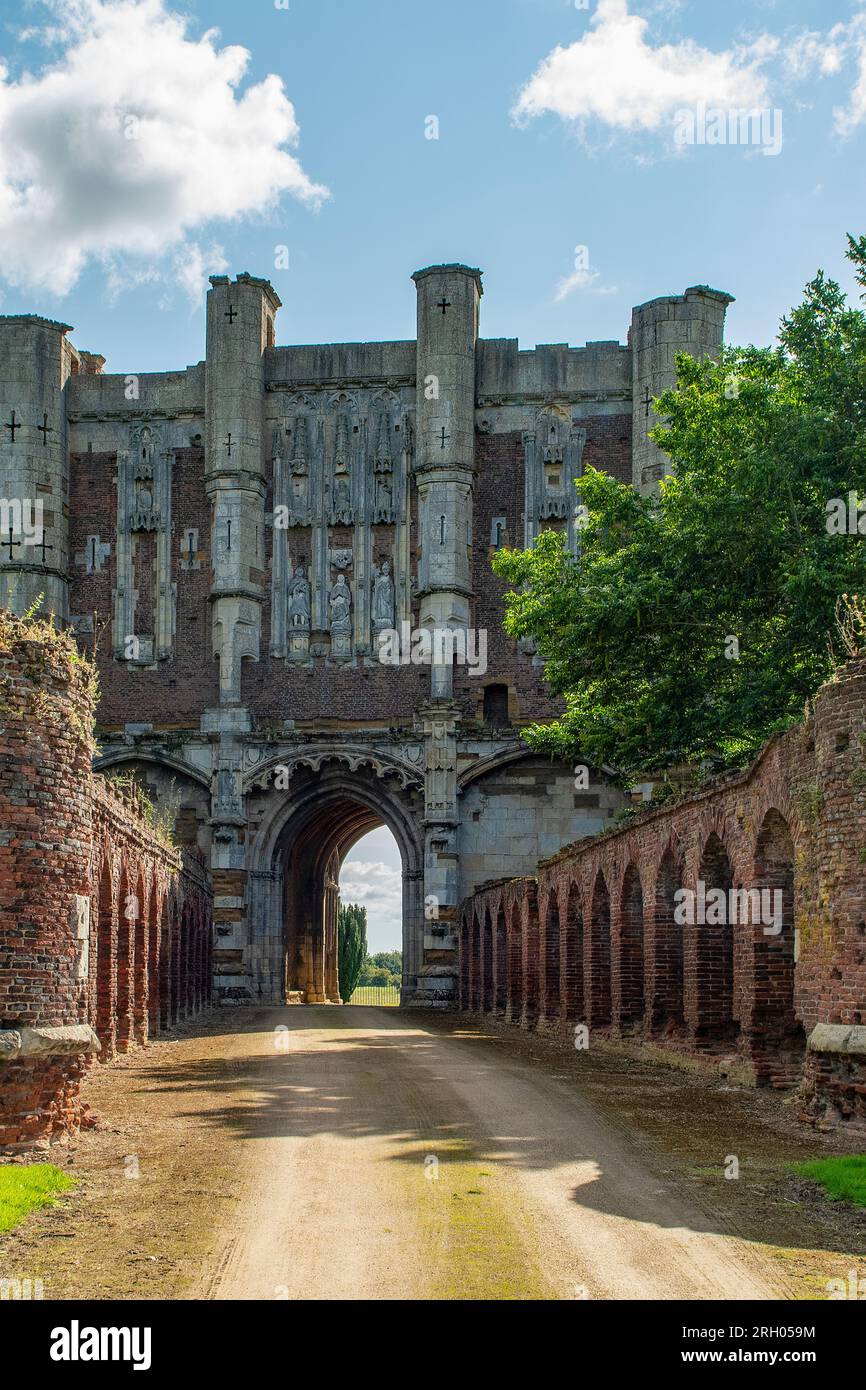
(141, 962)
(551, 962)
(126, 920)
(667, 1003)
(166, 961)
(179, 791)
(714, 985)
(475, 960)
(598, 993)
(464, 962)
(631, 953)
(531, 961)
(515, 964)
(501, 964)
(106, 963)
(176, 958)
(154, 962)
(777, 1039)
(573, 1003)
(304, 834)
(487, 963)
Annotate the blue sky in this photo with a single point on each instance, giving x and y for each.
(514, 197)
(144, 145)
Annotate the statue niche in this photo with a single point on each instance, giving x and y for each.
(299, 470)
(144, 514)
(298, 616)
(383, 598)
(341, 513)
(340, 619)
(383, 503)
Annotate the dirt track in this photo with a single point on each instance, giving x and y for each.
(529, 1181)
(364, 1153)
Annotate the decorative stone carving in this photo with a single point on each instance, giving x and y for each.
(383, 503)
(299, 601)
(340, 606)
(300, 460)
(144, 514)
(341, 513)
(298, 616)
(406, 765)
(340, 619)
(383, 598)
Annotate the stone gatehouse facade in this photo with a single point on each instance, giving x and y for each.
(240, 542)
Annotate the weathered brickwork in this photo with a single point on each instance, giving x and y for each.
(105, 932)
(596, 936)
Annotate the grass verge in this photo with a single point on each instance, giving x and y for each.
(843, 1179)
(27, 1188)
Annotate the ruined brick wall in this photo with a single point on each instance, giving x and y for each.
(594, 936)
(105, 932)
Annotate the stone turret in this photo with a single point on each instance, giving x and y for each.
(240, 326)
(693, 322)
(448, 304)
(36, 361)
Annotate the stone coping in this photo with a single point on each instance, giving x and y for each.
(69, 1040)
(838, 1037)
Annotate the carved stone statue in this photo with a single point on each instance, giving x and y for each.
(144, 515)
(384, 508)
(341, 500)
(383, 597)
(340, 606)
(299, 600)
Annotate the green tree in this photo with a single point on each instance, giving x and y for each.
(694, 624)
(385, 968)
(351, 947)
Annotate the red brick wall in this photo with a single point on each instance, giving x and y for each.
(793, 824)
(66, 834)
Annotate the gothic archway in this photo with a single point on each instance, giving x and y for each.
(305, 832)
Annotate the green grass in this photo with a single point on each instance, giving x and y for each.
(843, 1179)
(25, 1189)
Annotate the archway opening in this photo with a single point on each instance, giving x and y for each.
(313, 850)
(371, 877)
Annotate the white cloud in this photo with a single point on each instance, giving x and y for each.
(848, 117)
(130, 142)
(376, 886)
(577, 280)
(614, 75)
